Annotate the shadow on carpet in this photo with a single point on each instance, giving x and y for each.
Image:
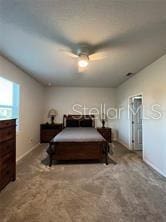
(77, 162)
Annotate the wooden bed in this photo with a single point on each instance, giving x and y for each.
(79, 140)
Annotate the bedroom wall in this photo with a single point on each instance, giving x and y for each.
(63, 99)
(151, 82)
(31, 106)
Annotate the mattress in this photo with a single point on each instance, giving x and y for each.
(78, 134)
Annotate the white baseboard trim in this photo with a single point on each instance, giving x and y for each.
(26, 153)
(146, 161)
(154, 167)
(125, 145)
(114, 139)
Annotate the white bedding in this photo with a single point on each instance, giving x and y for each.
(78, 134)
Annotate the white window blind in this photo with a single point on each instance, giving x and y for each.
(9, 99)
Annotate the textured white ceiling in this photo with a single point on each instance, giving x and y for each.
(131, 33)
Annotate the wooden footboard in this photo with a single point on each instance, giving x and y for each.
(78, 151)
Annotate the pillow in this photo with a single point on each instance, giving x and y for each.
(72, 123)
(86, 123)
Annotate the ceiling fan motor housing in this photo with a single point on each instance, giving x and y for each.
(83, 50)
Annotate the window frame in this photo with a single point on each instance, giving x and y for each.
(15, 107)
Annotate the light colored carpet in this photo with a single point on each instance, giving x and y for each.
(126, 192)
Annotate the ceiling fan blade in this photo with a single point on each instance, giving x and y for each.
(97, 56)
(142, 33)
(69, 53)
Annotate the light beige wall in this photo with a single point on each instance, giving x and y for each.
(63, 99)
(31, 106)
(151, 82)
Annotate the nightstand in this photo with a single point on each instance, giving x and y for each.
(106, 133)
(48, 131)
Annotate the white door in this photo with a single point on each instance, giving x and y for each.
(137, 123)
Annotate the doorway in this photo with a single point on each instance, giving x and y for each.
(136, 113)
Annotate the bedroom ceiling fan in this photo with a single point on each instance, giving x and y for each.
(84, 54)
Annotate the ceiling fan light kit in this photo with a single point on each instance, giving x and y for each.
(84, 54)
(83, 60)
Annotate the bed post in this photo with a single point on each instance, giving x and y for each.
(64, 121)
(106, 155)
(50, 153)
(93, 120)
(50, 160)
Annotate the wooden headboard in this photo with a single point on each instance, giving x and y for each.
(78, 120)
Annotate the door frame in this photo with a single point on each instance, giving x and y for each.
(131, 144)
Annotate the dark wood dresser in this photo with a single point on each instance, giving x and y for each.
(106, 133)
(48, 131)
(7, 152)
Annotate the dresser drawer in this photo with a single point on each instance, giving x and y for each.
(7, 147)
(6, 172)
(4, 180)
(106, 133)
(7, 123)
(48, 134)
(6, 168)
(7, 152)
(48, 131)
(7, 134)
(7, 164)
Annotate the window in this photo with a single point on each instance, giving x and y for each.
(9, 99)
